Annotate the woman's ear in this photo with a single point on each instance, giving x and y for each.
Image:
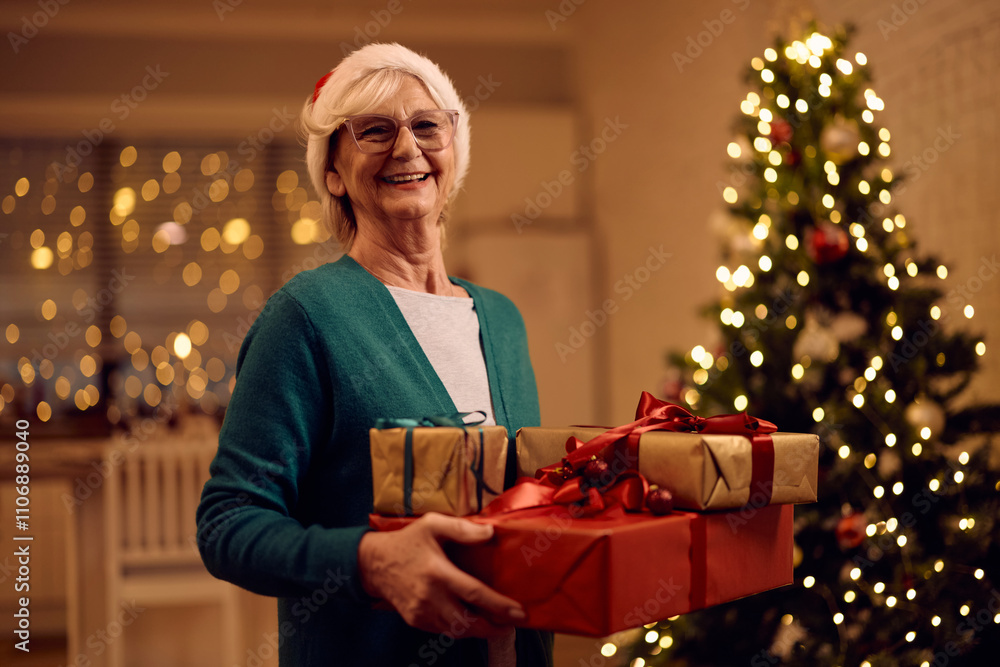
(335, 184)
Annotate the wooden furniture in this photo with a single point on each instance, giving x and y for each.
(152, 553)
(130, 502)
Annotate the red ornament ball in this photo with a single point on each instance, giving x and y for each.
(827, 243)
(596, 468)
(781, 131)
(850, 531)
(659, 501)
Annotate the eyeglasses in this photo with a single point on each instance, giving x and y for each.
(432, 130)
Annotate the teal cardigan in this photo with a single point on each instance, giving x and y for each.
(291, 486)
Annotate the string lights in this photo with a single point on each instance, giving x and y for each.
(815, 244)
(208, 247)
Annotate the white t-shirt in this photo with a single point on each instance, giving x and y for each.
(447, 329)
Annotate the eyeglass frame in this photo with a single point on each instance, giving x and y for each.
(400, 124)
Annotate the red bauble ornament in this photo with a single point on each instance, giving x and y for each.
(659, 501)
(827, 243)
(596, 468)
(793, 157)
(850, 531)
(781, 131)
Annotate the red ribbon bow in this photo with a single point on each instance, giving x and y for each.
(563, 483)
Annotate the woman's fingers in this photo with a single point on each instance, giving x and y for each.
(498, 608)
(455, 529)
(410, 569)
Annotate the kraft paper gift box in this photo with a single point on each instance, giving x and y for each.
(702, 471)
(597, 576)
(451, 470)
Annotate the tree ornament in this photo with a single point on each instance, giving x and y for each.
(850, 531)
(816, 342)
(925, 413)
(890, 463)
(781, 131)
(848, 326)
(826, 243)
(596, 468)
(659, 500)
(839, 140)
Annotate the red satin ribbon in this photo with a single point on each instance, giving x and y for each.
(619, 446)
(563, 483)
(699, 562)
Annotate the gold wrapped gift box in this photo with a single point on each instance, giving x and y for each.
(452, 470)
(703, 472)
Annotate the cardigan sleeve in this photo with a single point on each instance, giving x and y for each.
(277, 417)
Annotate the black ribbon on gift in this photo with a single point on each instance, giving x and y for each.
(454, 420)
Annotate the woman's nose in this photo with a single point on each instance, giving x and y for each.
(406, 147)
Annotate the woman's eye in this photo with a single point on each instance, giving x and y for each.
(374, 132)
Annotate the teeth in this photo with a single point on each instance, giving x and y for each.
(405, 178)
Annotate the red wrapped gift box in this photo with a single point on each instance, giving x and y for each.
(596, 576)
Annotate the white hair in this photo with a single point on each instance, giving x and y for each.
(365, 79)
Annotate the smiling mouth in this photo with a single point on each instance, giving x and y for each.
(405, 178)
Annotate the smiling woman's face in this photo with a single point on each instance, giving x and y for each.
(405, 184)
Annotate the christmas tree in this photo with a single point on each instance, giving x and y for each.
(831, 322)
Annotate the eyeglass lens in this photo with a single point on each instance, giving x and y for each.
(432, 130)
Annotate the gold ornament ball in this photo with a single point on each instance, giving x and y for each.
(924, 412)
(840, 141)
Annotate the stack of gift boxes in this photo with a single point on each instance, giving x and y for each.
(608, 529)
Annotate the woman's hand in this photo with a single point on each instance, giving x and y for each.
(410, 570)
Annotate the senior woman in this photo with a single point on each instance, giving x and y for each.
(381, 332)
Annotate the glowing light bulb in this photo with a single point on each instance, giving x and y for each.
(182, 345)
